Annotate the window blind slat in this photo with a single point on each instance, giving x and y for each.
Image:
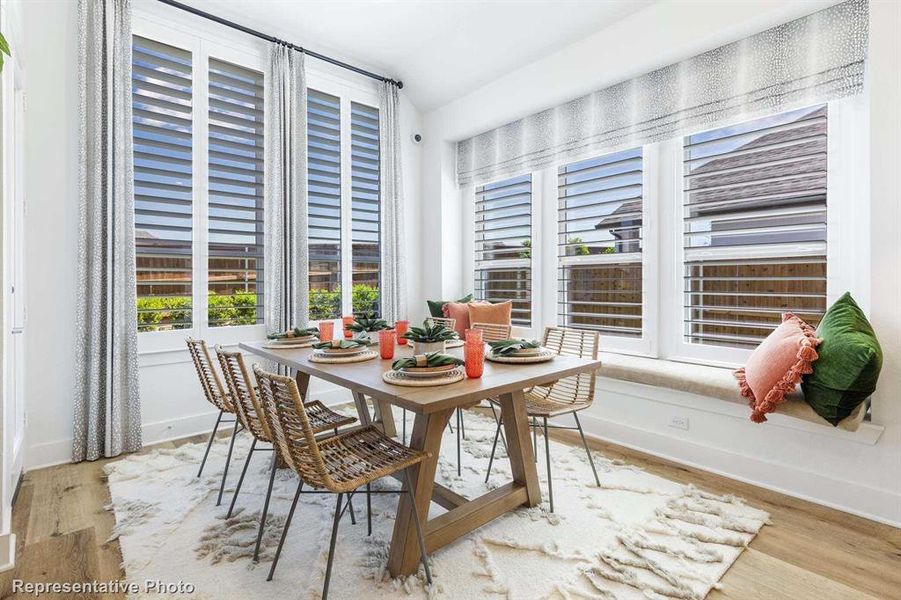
(754, 227)
(600, 244)
(503, 240)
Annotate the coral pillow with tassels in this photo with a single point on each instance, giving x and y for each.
(777, 365)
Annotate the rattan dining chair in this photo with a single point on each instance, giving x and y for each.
(339, 464)
(249, 411)
(217, 395)
(565, 396)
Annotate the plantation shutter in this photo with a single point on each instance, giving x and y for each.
(755, 227)
(503, 240)
(600, 244)
(324, 203)
(365, 209)
(162, 135)
(236, 174)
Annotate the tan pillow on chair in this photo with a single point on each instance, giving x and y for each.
(498, 314)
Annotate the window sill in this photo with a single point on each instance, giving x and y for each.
(686, 382)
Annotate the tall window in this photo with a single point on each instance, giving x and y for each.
(198, 198)
(324, 203)
(235, 195)
(162, 99)
(343, 205)
(754, 226)
(600, 244)
(365, 209)
(503, 239)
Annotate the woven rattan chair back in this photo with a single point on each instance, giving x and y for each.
(577, 389)
(212, 386)
(239, 382)
(290, 428)
(493, 332)
(446, 321)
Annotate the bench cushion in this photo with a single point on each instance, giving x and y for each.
(703, 380)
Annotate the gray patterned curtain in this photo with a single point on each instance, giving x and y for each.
(285, 209)
(107, 406)
(810, 60)
(393, 277)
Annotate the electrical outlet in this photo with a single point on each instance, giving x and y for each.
(679, 422)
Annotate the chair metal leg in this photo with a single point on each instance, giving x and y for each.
(209, 444)
(493, 449)
(256, 550)
(459, 429)
(281, 542)
(462, 423)
(228, 459)
(368, 509)
(331, 548)
(497, 419)
(350, 506)
(419, 537)
(547, 453)
(587, 451)
(231, 507)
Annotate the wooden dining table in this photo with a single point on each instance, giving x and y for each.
(433, 407)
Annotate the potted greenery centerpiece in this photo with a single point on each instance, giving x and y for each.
(429, 338)
(368, 325)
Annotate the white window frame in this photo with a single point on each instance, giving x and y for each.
(847, 218)
(202, 40)
(325, 79)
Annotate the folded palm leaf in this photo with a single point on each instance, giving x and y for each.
(507, 347)
(342, 344)
(432, 359)
(294, 333)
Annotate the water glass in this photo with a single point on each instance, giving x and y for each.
(326, 330)
(473, 336)
(387, 337)
(349, 320)
(474, 357)
(401, 327)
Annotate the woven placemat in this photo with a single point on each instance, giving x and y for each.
(269, 346)
(362, 357)
(543, 356)
(398, 378)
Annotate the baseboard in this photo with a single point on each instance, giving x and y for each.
(48, 454)
(7, 552)
(853, 498)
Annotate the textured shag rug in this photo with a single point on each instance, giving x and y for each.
(635, 536)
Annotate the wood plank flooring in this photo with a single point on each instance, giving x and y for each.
(809, 552)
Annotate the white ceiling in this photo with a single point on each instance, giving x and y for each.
(441, 49)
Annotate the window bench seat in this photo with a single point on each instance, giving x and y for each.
(713, 382)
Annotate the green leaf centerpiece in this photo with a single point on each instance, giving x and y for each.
(429, 334)
(511, 347)
(293, 333)
(433, 359)
(367, 323)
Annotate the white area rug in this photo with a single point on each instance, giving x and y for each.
(637, 536)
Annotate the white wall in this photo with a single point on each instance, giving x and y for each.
(172, 403)
(818, 465)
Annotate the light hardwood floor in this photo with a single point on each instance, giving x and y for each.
(809, 552)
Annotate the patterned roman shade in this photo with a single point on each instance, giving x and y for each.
(807, 61)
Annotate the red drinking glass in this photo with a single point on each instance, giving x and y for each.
(473, 336)
(387, 337)
(347, 321)
(326, 330)
(474, 357)
(401, 328)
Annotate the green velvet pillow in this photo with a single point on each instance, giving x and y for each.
(849, 362)
(436, 305)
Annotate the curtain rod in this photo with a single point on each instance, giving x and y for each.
(275, 40)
